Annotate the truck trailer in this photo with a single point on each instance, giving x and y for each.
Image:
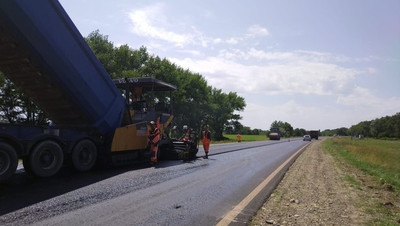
(94, 118)
(314, 134)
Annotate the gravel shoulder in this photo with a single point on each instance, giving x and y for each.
(321, 190)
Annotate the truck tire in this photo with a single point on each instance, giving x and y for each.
(8, 161)
(46, 159)
(27, 165)
(159, 154)
(84, 155)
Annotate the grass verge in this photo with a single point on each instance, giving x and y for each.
(380, 159)
(233, 137)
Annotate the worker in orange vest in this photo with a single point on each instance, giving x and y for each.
(186, 130)
(239, 138)
(137, 93)
(154, 139)
(206, 140)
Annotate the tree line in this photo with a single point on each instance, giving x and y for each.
(384, 127)
(195, 102)
(387, 127)
(285, 129)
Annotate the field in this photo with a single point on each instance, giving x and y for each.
(233, 137)
(379, 158)
(378, 182)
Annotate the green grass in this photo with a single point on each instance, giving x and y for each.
(378, 158)
(353, 181)
(233, 137)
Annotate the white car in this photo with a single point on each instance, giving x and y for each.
(306, 138)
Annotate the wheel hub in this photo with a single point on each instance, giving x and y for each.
(84, 156)
(46, 159)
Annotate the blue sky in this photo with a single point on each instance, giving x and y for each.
(314, 64)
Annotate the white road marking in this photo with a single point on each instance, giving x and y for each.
(230, 217)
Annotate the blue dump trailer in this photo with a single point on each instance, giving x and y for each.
(43, 53)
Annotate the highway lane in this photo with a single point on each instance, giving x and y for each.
(174, 193)
(228, 147)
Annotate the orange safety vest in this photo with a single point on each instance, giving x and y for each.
(186, 138)
(154, 136)
(206, 140)
(154, 139)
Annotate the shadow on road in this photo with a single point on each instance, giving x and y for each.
(24, 190)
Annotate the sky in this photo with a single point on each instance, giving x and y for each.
(316, 64)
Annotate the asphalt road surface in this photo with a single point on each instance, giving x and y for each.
(199, 192)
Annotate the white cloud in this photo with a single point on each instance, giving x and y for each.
(298, 116)
(363, 98)
(217, 41)
(151, 22)
(256, 30)
(232, 41)
(359, 97)
(296, 55)
(145, 21)
(253, 31)
(372, 70)
(283, 76)
(192, 52)
(322, 116)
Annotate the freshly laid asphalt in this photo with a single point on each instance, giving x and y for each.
(199, 192)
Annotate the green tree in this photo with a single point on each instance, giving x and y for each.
(119, 61)
(222, 110)
(190, 100)
(195, 102)
(246, 130)
(103, 49)
(343, 131)
(289, 129)
(285, 129)
(31, 113)
(396, 123)
(361, 128)
(10, 103)
(234, 127)
(299, 132)
(16, 107)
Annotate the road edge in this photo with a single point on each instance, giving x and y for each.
(256, 198)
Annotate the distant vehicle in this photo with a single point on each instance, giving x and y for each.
(306, 138)
(314, 134)
(274, 134)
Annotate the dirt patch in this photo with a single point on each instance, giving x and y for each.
(321, 190)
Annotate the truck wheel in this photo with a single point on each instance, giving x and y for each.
(159, 154)
(27, 165)
(84, 155)
(46, 159)
(8, 161)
